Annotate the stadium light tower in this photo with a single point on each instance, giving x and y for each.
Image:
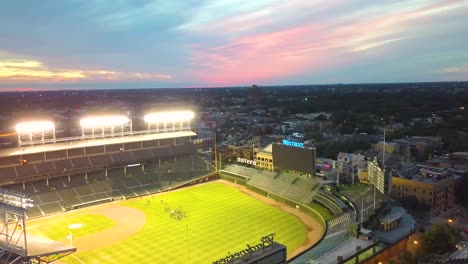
(13, 243)
(35, 132)
(156, 120)
(102, 126)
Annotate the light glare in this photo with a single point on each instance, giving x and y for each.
(34, 126)
(103, 121)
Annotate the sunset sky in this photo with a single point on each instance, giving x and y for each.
(181, 43)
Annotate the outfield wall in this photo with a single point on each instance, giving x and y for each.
(233, 178)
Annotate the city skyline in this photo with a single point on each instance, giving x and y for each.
(151, 44)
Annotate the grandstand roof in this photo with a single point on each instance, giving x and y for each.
(91, 142)
(395, 214)
(37, 246)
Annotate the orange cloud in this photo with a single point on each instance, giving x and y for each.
(24, 70)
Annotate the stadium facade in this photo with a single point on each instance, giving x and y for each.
(108, 162)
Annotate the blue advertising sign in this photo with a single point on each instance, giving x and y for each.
(293, 143)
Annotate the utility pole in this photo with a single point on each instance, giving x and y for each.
(220, 165)
(215, 154)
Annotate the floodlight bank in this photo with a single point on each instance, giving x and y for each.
(34, 126)
(104, 121)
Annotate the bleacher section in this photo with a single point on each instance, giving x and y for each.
(340, 222)
(363, 200)
(74, 191)
(297, 188)
(286, 184)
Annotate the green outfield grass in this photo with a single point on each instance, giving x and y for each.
(220, 219)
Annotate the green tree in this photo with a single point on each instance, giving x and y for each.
(407, 258)
(439, 239)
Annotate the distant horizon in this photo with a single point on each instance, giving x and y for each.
(24, 89)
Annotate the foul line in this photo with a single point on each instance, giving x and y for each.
(77, 258)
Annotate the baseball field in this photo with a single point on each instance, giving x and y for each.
(199, 224)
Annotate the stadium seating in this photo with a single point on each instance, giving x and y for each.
(54, 155)
(287, 184)
(47, 197)
(100, 160)
(40, 186)
(31, 158)
(34, 212)
(78, 152)
(143, 155)
(10, 161)
(50, 208)
(63, 165)
(161, 153)
(327, 203)
(166, 142)
(100, 187)
(77, 188)
(96, 176)
(83, 190)
(132, 145)
(340, 222)
(122, 158)
(82, 162)
(45, 167)
(101, 196)
(26, 170)
(139, 190)
(133, 170)
(69, 197)
(94, 150)
(89, 198)
(333, 198)
(75, 180)
(56, 184)
(8, 172)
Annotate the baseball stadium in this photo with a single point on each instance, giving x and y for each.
(117, 195)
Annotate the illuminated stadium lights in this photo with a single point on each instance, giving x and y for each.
(34, 132)
(101, 126)
(15, 199)
(103, 121)
(34, 126)
(164, 118)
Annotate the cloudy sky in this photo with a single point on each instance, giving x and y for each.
(189, 43)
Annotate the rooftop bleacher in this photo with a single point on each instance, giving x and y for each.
(363, 199)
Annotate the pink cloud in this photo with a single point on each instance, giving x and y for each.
(267, 57)
(257, 58)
